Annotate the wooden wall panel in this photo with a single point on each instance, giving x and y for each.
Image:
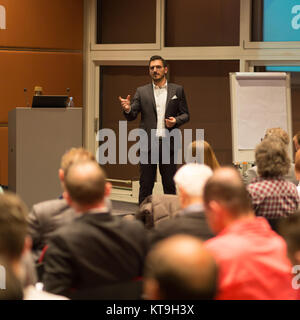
(295, 88)
(130, 21)
(3, 155)
(120, 81)
(202, 23)
(206, 85)
(53, 71)
(43, 24)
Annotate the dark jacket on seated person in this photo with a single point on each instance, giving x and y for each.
(46, 217)
(190, 221)
(95, 249)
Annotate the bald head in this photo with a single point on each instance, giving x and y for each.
(227, 187)
(85, 183)
(180, 268)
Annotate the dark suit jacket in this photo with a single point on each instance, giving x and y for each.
(190, 223)
(94, 250)
(144, 102)
(46, 217)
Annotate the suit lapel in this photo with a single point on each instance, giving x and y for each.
(170, 94)
(151, 94)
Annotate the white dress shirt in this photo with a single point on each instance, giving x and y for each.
(160, 95)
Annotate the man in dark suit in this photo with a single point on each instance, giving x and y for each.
(190, 180)
(163, 107)
(96, 250)
(47, 216)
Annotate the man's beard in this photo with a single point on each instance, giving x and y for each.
(155, 80)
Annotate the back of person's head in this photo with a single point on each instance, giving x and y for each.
(179, 268)
(13, 226)
(85, 183)
(192, 177)
(227, 188)
(297, 164)
(10, 285)
(210, 158)
(272, 158)
(74, 155)
(289, 229)
(279, 133)
(296, 140)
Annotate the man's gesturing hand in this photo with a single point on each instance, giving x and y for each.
(125, 103)
(170, 122)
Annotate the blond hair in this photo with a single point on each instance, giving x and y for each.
(210, 158)
(74, 155)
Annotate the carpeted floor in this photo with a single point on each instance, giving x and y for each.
(121, 208)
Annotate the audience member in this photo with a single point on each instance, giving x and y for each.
(284, 137)
(209, 159)
(252, 258)
(10, 285)
(289, 228)
(296, 140)
(179, 268)
(45, 217)
(15, 245)
(297, 170)
(273, 197)
(190, 180)
(96, 249)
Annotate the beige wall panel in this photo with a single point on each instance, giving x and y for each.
(43, 24)
(53, 71)
(3, 155)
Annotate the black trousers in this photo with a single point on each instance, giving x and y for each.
(148, 174)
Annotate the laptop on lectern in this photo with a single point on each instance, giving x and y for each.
(49, 101)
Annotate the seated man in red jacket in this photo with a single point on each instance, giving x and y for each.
(252, 258)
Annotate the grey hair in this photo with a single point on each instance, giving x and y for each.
(272, 158)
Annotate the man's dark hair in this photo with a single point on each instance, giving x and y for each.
(230, 191)
(13, 226)
(158, 58)
(85, 182)
(289, 229)
(178, 280)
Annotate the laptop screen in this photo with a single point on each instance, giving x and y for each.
(49, 101)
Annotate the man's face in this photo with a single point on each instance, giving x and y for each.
(213, 213)
(157, 70)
